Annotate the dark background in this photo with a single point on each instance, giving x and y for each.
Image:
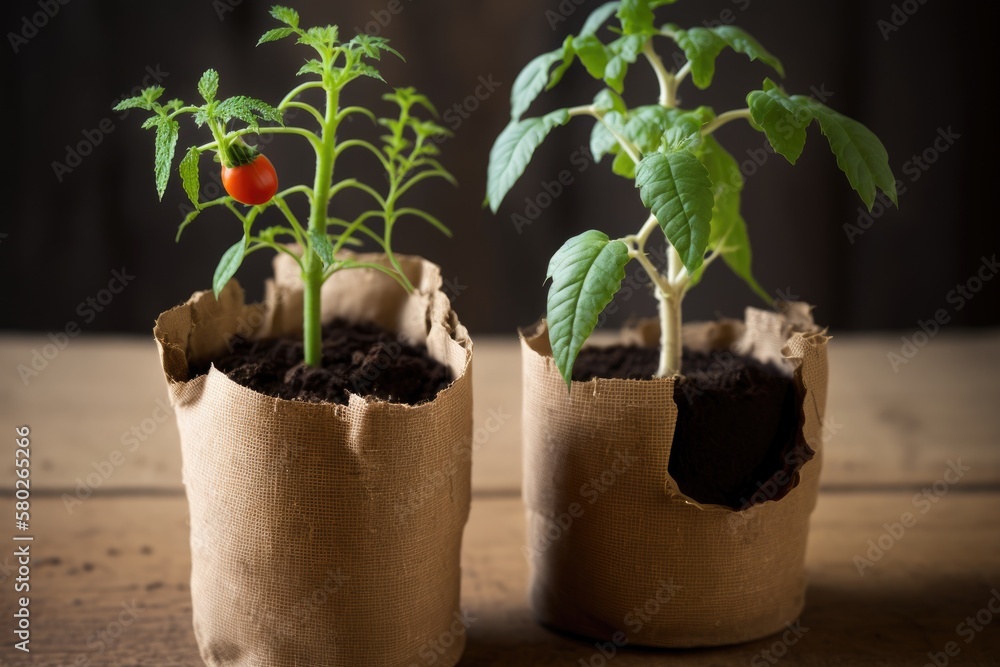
(63, 239)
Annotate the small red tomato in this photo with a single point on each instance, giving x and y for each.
(252, 183)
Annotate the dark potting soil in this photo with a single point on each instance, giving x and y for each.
(738, 440)
(362, 359)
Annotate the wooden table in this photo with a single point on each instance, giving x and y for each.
(109, 579)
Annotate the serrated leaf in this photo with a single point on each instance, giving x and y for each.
(783, 120)
(368, 70)
(320, 243)
(598, 18)
(311, 67)
(166, 143)
(741, 41)
(531, 81)
(609, 100)
(512, 152)
(729, 233)
(372, 47)
(247, 109)
(736, 251)
(677, 189)
(623, 165)
(138, 102)
(230, 263)
(586, 273)
(636, 17)
(860, 154)
(602, 141)
(702, 47)
(621, 53)
(189, 175)
(568, 58)
(286, 15)
(208, 86)
(274, 35)
(592, 53)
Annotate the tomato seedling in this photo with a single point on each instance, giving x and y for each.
(688, 181)
(407, 152)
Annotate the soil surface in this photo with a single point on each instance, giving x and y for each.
(738, 440)
(361, 359)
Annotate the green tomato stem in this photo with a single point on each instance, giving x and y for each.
(312, 273)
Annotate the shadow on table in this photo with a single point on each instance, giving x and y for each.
(898, 624)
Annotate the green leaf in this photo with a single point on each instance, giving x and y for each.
(533, 79)
(860, 154)
(736, 251)
(275, 34)
(286, 15)
(144, 100)
(677, 189)
(189, 175)
(230, 263)
(623, 165)
(586, 272)
(602, 141)
(371, 46)
(783, 120)
(702, 47)
(368, 70)
(320, 243)
(321, 38)
(636, 17)
(741, 41)
(513, 150)
(208, 86)
(609, 100)
(311, 67)
(247, 109)
(166, 143)
(568, 56)
(621, 53)
(729, 233)
(592, 54)
(598, 17)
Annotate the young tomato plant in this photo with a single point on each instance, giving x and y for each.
(688, 181)
(407, 152)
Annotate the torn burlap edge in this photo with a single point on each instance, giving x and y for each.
(322, 534)
(616, 550)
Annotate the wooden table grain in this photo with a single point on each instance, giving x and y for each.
(110, 569)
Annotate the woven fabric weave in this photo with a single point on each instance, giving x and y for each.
(614, 546)
(323, 535)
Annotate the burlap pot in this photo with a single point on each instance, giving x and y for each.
(323, 535)
(616, 551)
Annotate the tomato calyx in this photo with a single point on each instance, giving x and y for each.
(238, 154)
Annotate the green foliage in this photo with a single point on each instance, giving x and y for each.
(586, 272)
(676, 187)
(513, 150)
(687, 180)
(860, 154)
(702, 47)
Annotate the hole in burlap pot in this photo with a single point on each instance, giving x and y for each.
(614, 546)
(321, 534)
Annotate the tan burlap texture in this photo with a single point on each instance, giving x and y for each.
(323, 535)
(614, 546)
